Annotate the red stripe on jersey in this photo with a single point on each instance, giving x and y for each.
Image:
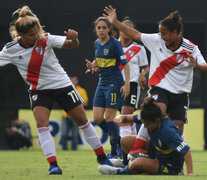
(35, 62)
(166, 66)
(130, 53)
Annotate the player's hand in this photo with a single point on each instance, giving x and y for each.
(71, 34)
(191, 60)
(142, 81)
(121, 120)
(89, 66)
(125, 90)
(111, 14)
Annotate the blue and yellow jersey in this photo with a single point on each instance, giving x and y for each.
(168, 142)
(109, 56)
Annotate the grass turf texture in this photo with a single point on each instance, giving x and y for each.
(77, 165)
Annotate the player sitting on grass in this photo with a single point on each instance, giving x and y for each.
(170, 149)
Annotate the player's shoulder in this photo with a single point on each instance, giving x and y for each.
(167, 124)
(188, 44)
(137, 45)
(97, 42)
(114, 40)
(11, 44)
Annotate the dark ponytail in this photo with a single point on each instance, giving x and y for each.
(173, 22)
(150, 111)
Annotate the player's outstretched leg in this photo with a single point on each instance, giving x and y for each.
(48, 147)
(94, 141)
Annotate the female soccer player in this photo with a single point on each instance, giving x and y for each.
(137, 58)
(32, 52)
(165, 137)
(171, 69)
(107, 99)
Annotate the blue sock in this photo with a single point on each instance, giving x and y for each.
(103, 126)
(124, 171)
(113, 136)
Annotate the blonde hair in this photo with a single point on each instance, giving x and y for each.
(25, 20)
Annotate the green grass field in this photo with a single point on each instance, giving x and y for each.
(76, 165)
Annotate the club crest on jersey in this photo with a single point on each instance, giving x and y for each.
(131, 53)
(155, 96)
(34, 97)
(106, 51)
(39, 50)
(179, 58)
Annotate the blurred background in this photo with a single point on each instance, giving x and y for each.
(57, 16)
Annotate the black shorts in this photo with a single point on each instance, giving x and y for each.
(177, 104)
(67, 98)
(133, 98)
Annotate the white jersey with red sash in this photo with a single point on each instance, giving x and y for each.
(38, 65)
(168, 69)
(136, 56)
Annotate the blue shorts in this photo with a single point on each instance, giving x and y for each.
(108, 97)
(170, 167)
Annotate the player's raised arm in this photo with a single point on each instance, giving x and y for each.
(72, 41)
(112, 17)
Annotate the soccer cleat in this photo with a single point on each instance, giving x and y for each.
(105, 162)
(133, 156)
(117, 162)
(108, 170)
(55, 170)
(181, 172)
(111, 156)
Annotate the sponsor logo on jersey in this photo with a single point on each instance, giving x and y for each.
(179, 57)
(113, 104)
(39, 50)
(34, 97)
(20, 57)
(106, 51)
(155, 96)
(181, 146)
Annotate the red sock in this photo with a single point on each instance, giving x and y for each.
(139, 144)
(99, 151)
(51, 159)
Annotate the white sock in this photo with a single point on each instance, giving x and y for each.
(125, 130)
(46, 142)
(143, 133)
(91, 135)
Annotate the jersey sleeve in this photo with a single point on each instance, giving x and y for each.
(137, 118)
(143, 57)
(174, 140)
(56, 41)
(120, 53)
(197, 55)
(5, 57)
(149, 40)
